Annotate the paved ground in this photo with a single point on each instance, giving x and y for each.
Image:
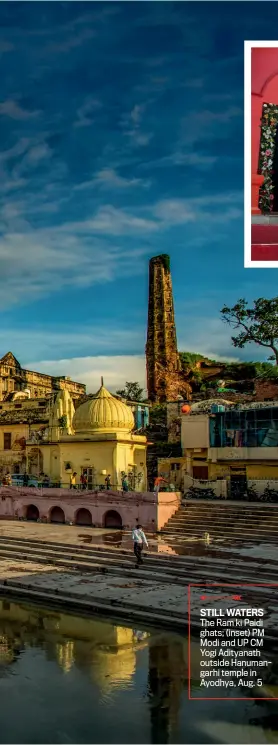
(83, 570)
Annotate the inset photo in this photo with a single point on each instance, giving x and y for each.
(261, 154)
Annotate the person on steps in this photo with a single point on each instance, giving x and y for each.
(139, 539)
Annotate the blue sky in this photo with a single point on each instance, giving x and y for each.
(121, 135)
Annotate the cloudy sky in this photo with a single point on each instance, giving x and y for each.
(121, 136)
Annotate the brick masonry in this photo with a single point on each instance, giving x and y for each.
(165, 380)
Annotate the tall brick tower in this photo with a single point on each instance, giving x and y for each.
(164, 379)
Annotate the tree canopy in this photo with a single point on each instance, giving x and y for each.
(132, 392)
(255, 325)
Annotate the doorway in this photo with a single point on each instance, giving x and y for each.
(90, 474)
(238, 486)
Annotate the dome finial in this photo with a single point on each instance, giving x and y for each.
(101, 381)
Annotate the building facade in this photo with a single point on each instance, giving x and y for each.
(98, 440)
(223, 444)
(48, 436)
(15, 380)
(238, 445)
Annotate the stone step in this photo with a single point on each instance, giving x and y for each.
(180, 570)
(246, 507)
(207, 526)
(181, 517)
(263, 538)
(228, 503)
(191, 574)
(258, 514)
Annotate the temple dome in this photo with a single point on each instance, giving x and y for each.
(103, 413)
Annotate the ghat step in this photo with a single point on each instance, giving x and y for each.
(249, 522)
(162, 569)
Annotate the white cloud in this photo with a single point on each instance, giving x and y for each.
(12, 184)
(192, 159)
(116, 370)
(111, 221)
(14, 111)
(132, 126)
(72, 42)
(38, 153)
(205, 123)
(108, 178)
(34, 263)
(16, 150)
(86, 111)
(137, 113)
(140, 138)
(55, 342)
(179, 211)
(181, 157)
(212, 338)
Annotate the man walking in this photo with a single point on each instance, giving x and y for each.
(139, 539)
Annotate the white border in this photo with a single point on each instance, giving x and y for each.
(248, 263)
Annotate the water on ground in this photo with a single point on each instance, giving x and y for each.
(70, 679)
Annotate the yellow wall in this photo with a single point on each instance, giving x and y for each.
(16, 430)
(253, 470)
(107, 455)
(164, 469)
(15, 455)
(262, 471)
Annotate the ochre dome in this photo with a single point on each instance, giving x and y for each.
(103, 413)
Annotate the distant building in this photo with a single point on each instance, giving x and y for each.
(221, 441)
(141, 413)
(15, 380)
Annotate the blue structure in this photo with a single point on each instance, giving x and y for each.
(141, 413)
(251, 428)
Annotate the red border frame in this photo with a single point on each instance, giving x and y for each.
(221, 698)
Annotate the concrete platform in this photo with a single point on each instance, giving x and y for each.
(50, 565)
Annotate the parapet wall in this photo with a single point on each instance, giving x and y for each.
(147, 508)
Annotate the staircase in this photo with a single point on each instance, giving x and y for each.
(231, 522)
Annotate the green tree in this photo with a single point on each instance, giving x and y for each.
(158, 414)
(132, 392)
(189, 359)
(256, 325)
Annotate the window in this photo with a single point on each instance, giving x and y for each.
(175, 466)
(7, 441)
(41, 403)
(18, 406)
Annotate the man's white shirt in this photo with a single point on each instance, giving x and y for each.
(138, 536)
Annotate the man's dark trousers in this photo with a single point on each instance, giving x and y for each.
(138, 548)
